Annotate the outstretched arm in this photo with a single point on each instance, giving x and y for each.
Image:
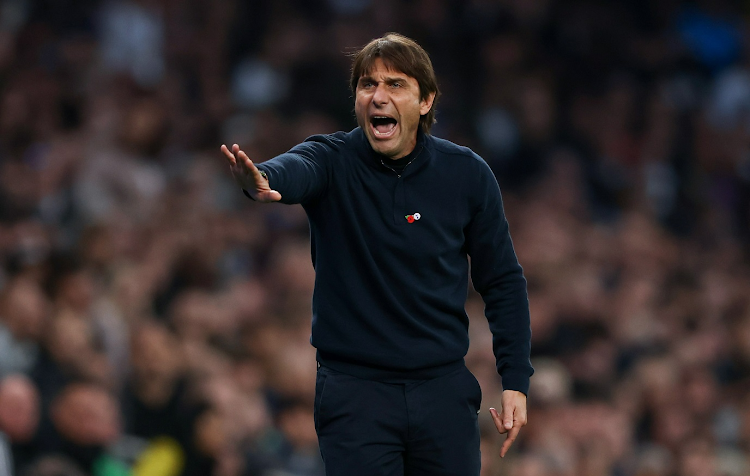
(247, 175)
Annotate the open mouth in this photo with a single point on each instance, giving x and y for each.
(383, 126)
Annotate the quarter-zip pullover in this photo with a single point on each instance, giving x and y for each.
(391, 254)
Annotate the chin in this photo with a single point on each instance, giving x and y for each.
(383, 149)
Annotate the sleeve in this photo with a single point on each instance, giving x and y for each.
(303, 173)
(498, 278)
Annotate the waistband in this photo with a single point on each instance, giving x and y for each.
(369, 372)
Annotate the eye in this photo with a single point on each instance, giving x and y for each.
(366, 84)
(397, 84)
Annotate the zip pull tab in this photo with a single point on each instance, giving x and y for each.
(391, 168)
(404, 169)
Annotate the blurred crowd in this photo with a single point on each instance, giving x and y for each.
(153, 321)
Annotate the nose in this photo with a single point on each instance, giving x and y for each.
(380, 96)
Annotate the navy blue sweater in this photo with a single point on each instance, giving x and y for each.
(391, 250)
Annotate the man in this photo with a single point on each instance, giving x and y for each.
(394, 215)
(19, 421)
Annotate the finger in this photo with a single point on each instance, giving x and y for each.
(508, 411)
(498, 421)
(250, 166)
(512, 435)
(228, 154)
(270, 196)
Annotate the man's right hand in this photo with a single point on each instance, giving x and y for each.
(248, 176)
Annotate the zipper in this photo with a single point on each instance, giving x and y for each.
(402, 170)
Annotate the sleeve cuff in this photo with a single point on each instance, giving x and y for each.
(516, 380)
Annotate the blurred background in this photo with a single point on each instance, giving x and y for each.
(153, 321)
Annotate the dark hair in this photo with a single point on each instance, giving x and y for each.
(401, 54)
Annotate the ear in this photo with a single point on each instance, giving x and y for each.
(426, 104)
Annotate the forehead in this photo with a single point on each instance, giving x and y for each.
(378, 67)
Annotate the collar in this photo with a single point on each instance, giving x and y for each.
(421, 152)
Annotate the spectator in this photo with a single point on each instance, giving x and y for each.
(86, 420)
(23, 312)
(19, 421)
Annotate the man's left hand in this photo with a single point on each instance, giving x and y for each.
(512, 419)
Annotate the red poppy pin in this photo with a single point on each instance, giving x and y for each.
(413, 218)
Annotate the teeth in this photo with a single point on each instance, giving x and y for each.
(385, 128)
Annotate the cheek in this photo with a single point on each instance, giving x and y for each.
(361, 100)
(410, 114)
(360, 110)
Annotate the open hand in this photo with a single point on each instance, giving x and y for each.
(512, 419)
(247, 175)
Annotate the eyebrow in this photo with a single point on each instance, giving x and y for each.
(386, 80)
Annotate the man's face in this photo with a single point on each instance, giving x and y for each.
(388, 108)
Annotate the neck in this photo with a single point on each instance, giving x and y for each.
(415, 143)
(408, 152)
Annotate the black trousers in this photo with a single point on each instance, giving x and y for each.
(409, 428)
